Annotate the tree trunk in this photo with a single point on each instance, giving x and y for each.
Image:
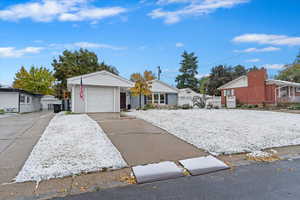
(140, 100)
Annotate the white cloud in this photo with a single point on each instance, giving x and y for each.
(268, 39)
(97, 46)
(92, 14)
(63, 10)
(251, 50)
(12, 52)
(273, 66)
(179, 44)
(165, 2)
(85, 45)
(194, 8)
(253, 60)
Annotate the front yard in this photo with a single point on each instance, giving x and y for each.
(71, 144)
(227, 131)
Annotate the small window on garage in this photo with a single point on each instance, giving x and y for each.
(22, 98)
(28, 101)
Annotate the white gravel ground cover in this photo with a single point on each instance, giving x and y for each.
(71, 144)
(227, 131)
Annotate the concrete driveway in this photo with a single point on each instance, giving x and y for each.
(140, 142)
(18, 135)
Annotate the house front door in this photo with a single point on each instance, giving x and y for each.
(123, 100)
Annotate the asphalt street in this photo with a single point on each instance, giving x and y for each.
(263, 181)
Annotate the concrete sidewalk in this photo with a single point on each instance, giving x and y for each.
(141, 142)
(18, 136)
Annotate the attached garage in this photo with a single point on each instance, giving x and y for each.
(97, 92)
(106, 101)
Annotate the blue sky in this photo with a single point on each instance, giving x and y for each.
(142, 34)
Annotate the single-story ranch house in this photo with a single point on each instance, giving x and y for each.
(19, 101)
(106, 92)
(256, 88)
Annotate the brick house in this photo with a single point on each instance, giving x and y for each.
(256, 88)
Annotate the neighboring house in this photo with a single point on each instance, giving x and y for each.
(101, 92)
(19, 101)
(186, 96)
(105, 92)
(256, 88)
(48, 101)
(162, 94)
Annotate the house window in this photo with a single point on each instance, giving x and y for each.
(22, 99)
(156, 98)
(162, 98)
(298, 89)
(228, 93)
(28, 100)
(149, 99)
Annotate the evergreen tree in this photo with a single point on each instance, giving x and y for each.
(188, 70)
(297, 60)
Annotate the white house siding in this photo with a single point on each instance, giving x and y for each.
(172, 99)
(9, 101)
(78, 105)
(135, 101)
(34, 105)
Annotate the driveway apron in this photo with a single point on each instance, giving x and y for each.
(18, 135)
(141, 142)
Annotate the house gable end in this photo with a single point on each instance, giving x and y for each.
(159, 86)
(102, 78)
(242, 81)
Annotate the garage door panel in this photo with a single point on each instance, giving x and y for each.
(100, 99)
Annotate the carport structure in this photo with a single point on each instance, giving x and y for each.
(99, 92)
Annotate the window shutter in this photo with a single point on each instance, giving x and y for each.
(232, 93)
(145, 100)
(167, 99)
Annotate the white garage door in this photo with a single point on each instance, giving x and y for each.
(100, 99)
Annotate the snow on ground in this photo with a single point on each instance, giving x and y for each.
(71, 144)
(227, 131)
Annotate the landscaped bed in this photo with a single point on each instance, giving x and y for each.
(227, 131)
(71, 144)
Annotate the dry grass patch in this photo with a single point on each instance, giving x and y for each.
(261, 156)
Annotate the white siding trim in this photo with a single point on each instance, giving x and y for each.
(73, 98)
(86, 98)
(114, 99)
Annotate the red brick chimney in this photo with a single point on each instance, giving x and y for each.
(256, 86)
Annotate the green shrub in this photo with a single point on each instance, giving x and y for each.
(2, 111)
(148, 106)
(69, 113)
(294, 107)
(186, 106)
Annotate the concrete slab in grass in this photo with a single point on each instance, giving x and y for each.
(203, 165)
(156, 172)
